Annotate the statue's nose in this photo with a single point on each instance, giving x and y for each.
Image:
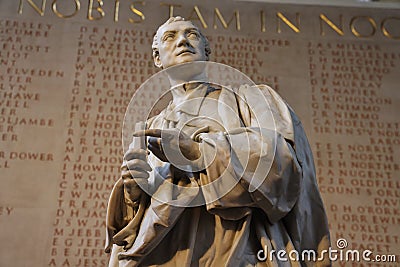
(182, 40)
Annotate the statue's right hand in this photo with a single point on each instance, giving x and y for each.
(134, 166)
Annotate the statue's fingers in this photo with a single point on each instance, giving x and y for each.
(135, 153)
(149, 132)
(125, 174)
(138, 164)
(129, 174)
(124, 166)
(130, 183)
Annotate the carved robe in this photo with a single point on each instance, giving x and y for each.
(226, 214)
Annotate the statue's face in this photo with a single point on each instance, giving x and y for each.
(179, 42)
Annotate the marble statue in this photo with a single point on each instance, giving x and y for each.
(204, 209)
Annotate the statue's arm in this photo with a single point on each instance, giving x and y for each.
(261, 160)
(265, 180)
(128, 201)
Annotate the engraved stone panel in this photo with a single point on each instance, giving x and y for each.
(69, 69)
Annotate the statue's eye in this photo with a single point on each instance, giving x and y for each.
(193, 34)
(168, 37)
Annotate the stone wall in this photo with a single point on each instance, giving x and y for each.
(69, 69)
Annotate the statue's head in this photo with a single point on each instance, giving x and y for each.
(179, 41)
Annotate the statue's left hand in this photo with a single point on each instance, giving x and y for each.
(171, 145)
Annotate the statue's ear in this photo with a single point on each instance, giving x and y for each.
(157, 61)
(207, 51)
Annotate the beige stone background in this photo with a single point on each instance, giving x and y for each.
(69, 69)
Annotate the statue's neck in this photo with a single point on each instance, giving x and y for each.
(189, 82)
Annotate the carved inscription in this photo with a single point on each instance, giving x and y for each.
(108, 70)
(19, 92)
(358, 142)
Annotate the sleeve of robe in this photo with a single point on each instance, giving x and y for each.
(253, 165)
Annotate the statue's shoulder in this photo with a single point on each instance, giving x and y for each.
(266, 90)
(280, 110)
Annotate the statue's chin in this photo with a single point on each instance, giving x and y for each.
(188, 71)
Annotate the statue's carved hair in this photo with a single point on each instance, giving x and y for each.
(154, 46)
